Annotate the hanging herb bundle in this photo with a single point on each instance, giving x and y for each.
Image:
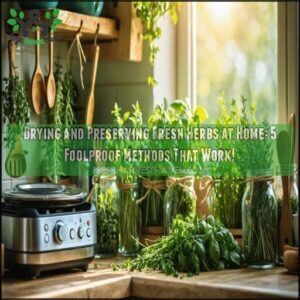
(195, 245)
(16, 109)
(150, 13)
(62, 113)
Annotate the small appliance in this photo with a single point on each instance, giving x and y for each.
(47, 227)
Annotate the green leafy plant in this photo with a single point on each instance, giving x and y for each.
(107, 221)
(195, 245)
(129, 217)
(226, 198)
(150, 13)
(62, 113)
(16, 110)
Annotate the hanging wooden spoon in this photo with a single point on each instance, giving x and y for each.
(38, 83)
(91, 98)
(51, 88)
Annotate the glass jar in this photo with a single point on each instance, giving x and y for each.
(225, 201)
(129, 222)
(259, 222)
(106, 196)
(180, 198)
(152, 195)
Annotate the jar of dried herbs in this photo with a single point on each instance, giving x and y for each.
(225, 201)
(130, 221)
(180, 198)
(106, 197)
(259, 222)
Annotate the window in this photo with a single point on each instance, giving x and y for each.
(237, 54)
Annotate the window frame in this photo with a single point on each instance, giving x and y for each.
(287, 57)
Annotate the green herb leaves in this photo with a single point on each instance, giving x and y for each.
(150, 13)
(191, 248)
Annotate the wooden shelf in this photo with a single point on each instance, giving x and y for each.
(71, 23)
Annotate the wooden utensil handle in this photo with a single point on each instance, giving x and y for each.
(285, 236)
(95, 66)
(37, 47)
(51, 52)
(91, 99)
(12, 54)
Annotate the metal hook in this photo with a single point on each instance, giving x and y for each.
(96, 34)
(80, 27)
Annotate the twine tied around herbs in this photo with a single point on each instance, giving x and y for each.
(152, 185)
(125, 186)
(98, 180)
(80, 54)
(185, 182)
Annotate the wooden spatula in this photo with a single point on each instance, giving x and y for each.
(91, 98)
(284, 152)
(38, 83)
(51, 88)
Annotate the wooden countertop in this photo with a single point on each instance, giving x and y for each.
(100, 281)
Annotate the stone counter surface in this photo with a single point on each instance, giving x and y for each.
(100, 281)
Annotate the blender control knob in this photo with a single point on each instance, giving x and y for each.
(60, 232)
(80, 232)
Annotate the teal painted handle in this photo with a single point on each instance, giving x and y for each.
(98, 5)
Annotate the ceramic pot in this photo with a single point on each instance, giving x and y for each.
(93, 8)
(38, 4)
(291, 258)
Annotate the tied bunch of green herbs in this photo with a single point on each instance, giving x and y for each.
(150, 13)
(226, 198)
(16, 109)
(129, 210)
(62, 113)
(260, 227)
(107, 221)
(195, 245)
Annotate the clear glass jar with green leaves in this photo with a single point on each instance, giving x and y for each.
(106, 197)
(130, 217)
(151, 200)
(225, 201)
(180, 198)
(260, 223)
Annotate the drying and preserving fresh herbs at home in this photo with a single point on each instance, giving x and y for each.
(106, 197)
(180, 198)
(195, 245)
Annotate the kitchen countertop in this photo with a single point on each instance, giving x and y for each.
(101, 281)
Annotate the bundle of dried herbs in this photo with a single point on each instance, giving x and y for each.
(62, 113)
(16, 109)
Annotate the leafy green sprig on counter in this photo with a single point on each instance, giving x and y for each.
(195, 245)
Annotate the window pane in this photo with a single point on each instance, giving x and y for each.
(237, 54)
